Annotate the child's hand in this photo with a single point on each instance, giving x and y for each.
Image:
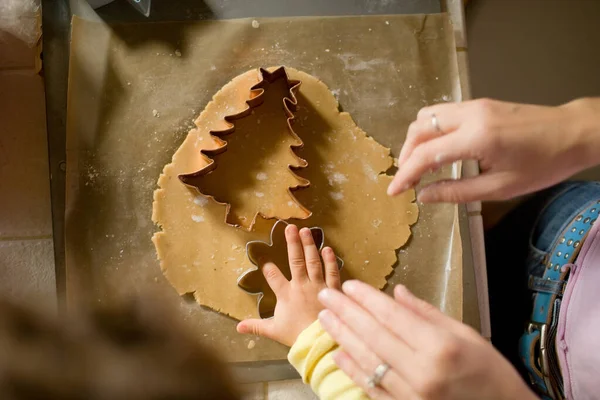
(297, 304)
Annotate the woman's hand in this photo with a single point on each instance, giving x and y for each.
(431, 356)
(297, 302)
(520, 148)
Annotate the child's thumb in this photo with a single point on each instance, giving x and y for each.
(258, 327)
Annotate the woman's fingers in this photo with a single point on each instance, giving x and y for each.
(274, 277)
(426, 310)
(411, 328)
(314, 267)
(441, 109)
(419, 131)
(295, 253)
(356, 321)
(478, 188)
(360, 377)
(363, 357)
(332, 269)
(429, 126)
(429, 156)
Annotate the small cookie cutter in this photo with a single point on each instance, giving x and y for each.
(256, 99)
(249, 279)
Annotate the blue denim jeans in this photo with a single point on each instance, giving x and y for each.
(516, 248)
(563, 204)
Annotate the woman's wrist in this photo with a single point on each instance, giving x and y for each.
(582, 132)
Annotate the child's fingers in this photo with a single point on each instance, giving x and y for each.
(314, 267)
(332, 270)
(258, 327)
(295, 253)
(274, 277)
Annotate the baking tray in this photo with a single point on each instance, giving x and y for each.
(278, 369)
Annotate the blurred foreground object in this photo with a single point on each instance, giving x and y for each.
(123, 352)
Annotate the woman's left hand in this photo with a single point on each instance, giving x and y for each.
(430, 355)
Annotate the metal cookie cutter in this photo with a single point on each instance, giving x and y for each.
(253, 282)
(256, 99)
(143, 6)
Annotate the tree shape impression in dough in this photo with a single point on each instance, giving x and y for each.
(247, 171)
(260, 253)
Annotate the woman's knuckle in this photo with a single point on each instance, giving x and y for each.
(484, 105)
(433, 157)
(421, 153)
(413, 130)
(386, 314)
(448, 353)
(430, 387)
(452, 195)
(352, 373)
(423, 112)
(480, 108)
(429, 309)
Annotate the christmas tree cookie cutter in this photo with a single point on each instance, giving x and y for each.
(258, 252)
(257, 92)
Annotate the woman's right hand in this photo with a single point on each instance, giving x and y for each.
(520, 148)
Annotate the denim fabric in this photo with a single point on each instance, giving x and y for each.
(563, 204)
(515, 249)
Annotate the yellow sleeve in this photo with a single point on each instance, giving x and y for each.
(311, 355)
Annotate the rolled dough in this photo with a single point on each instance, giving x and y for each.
(200, 254)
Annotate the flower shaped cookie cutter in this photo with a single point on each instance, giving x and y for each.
(253, 282)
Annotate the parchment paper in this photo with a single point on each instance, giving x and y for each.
(134, 91)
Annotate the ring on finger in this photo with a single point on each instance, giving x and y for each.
(436, 123)
(378, 375)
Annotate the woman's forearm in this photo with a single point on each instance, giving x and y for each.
(582, 132)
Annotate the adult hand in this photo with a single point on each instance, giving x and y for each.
(520, 148)
(297, 302)
(431, 356)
